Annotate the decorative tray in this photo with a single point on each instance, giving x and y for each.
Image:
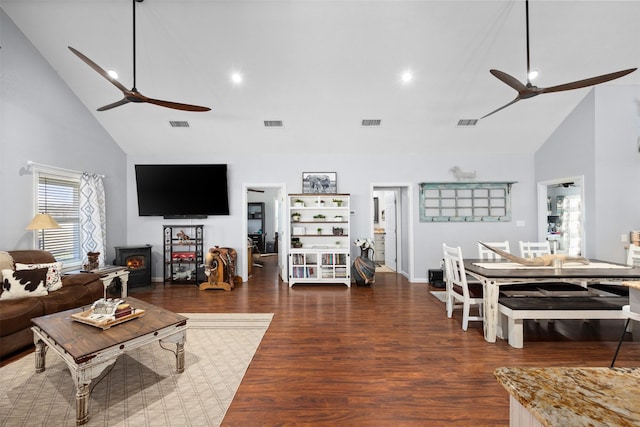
(83, 317)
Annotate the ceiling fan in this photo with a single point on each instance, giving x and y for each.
(528, 90)
(132, 95)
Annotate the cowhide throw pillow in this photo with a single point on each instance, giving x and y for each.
(6, 262)
(54, 275)
(24, 283)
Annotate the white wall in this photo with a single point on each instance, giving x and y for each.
(355, 175)
(43, 121)
(599, 140)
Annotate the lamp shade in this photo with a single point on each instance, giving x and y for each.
(42, 222)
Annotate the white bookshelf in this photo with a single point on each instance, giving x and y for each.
(322, 234)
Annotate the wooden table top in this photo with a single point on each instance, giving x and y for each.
(566, 272)
(81, 340)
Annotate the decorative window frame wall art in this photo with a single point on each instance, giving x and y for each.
(319, 182)
(465, 201)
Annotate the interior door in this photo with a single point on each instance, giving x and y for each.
(391, 230)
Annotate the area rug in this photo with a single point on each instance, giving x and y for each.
(440, 295)
(142, 388)
(383, 269)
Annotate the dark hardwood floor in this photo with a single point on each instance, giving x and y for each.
(380, 356)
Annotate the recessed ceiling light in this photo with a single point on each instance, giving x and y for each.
(533, 74)
(236, 78)
(113, 74)
(406, 77)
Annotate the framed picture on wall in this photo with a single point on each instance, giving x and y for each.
(319, 182)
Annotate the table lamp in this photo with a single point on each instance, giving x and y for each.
(42, 222)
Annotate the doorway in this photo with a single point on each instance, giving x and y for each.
(271, 229)
(391, 226)
(561, 215)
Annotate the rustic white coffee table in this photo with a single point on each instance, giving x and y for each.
(88, 350)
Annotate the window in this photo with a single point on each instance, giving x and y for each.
(58, 194)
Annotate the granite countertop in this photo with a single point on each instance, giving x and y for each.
(575, 396)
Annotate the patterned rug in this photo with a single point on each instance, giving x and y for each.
(142, 388)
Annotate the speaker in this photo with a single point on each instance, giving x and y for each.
(436, 278)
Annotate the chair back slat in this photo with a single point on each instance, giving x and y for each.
(454, 268)
(633, 256)
(534, 249)
(484, 253)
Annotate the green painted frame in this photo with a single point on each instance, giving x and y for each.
(465, 201)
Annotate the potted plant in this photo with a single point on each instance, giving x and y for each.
(298, 203)
(319, 230)
(295, 217)
(338, 218)
(320, 203)
(319, 217)
(337, 202)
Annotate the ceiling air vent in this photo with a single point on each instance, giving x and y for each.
(371, 122)
(273, 123)
(178, 124)
(467, 122)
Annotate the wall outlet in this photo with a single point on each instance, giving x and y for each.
(520, 223)
(623, 238)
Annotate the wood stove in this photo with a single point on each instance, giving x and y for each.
(138, 260)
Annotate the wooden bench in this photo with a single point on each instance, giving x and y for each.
(514, 310)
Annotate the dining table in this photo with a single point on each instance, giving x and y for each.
(495, 273)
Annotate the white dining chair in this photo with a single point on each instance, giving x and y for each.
(517, 290)
(458, 291)
(534, 249)
(484, 253)
(633, 256)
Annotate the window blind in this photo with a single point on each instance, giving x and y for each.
(59, 196)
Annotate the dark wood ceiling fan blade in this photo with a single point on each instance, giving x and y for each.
(255, 190)
(132, 95)
(114, 104)
(509, 80)
(587, 82)
(176, 105)
(99, 69)
(503, 107)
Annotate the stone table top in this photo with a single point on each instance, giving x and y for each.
(575, 396)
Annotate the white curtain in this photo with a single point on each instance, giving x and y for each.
(93, 222)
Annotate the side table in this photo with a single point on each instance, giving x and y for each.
(107, 274)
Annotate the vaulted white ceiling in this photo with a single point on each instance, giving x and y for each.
(323, 66)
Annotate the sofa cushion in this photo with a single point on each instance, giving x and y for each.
(53, 280)
(32, 256)
(24, 283)
(17, 314)
(72, 297)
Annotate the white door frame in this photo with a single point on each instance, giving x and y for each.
(283, 239)
(407, 228)
(542, 207)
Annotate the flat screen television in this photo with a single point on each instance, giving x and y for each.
(182, 191)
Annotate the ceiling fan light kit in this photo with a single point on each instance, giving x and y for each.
(132, 95)
(528, 90)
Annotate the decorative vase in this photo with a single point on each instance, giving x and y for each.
(364, 269)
